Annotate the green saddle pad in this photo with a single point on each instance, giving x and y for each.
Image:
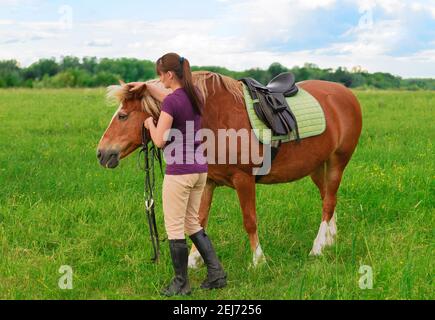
(307, 110)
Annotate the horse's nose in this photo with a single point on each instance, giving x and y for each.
(108, 158)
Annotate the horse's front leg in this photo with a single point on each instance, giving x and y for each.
(245, 187)
(195, 259)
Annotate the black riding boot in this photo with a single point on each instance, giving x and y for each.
(180, 283)
(216, 276)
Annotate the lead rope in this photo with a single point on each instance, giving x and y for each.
(150, 154)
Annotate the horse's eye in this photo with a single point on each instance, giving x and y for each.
(122, 116)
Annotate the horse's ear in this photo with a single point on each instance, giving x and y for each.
(122, 83)
(140, 91)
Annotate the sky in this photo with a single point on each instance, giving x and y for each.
(376, 35)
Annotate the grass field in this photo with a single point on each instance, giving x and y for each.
(59, 207)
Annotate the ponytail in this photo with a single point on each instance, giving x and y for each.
(181, 67)
(192, 91)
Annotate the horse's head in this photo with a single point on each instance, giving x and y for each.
(124, 134)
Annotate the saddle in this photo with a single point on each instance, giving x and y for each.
(270, 103)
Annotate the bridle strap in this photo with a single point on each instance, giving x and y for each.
(150, 154)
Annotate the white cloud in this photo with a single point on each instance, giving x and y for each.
(238, 39)
(6, 22)
(421, 56)
(379, 38)
(394, 7)
(99, 43)
(8, 6)
(389, 6)
(264, 21)
(24, 32)
(12, 3)
(428, 6)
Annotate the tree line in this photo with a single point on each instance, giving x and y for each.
(92, 72)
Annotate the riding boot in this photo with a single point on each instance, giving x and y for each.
(180, 283)
(216, 276)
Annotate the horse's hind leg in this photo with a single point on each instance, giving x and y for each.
(195, 259)
(327, 178)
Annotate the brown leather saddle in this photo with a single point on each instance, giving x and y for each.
(270, 103)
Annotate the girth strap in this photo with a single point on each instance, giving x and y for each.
(274, 148)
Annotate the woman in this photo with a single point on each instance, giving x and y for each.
(184, 180)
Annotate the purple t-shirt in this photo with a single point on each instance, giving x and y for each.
(183, 152)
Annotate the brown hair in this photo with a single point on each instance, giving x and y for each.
(181, 68)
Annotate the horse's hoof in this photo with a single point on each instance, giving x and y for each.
(195, 260)
(321, 240)
(258, 264)
(258, 257)
(316, 252)
(332, 225)
(329, 238)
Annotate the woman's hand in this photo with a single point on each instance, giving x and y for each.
(136, 86)
(158, 132)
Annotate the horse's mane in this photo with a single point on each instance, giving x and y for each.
(218, 81)
(121, 93)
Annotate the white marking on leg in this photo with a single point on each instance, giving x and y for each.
(329, 237)
(258, 257)
(195, 260)
(332, 231)
(320, 240)
(332, 225)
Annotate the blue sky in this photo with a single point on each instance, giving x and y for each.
(378, 35)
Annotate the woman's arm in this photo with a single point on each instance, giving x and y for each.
(158, 132)
(156, 91)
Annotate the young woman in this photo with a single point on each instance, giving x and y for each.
(184, 180)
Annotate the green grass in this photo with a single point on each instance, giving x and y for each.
(59, 207)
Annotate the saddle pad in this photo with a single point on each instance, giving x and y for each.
(307, 110)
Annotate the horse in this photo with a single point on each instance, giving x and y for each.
(323, 157)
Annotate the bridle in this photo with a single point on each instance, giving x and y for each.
(150, 154)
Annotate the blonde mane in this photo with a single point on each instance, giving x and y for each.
(121, 93)
(218, 81)
(152, 106)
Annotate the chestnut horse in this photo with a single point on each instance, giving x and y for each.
(323, 157)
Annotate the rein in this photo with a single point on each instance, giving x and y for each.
(150, 154)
